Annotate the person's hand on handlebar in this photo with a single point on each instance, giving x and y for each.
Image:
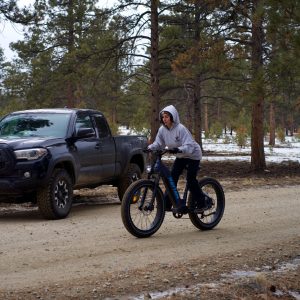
(174, 151)
(147, 150)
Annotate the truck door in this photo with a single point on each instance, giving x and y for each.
(107, 147)
(88, 152)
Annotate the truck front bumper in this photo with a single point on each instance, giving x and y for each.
(26, 177)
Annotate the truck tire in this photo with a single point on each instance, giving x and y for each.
(133, 173)
(55, 199)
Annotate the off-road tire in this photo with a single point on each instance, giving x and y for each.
(210, 218)
(55, 199)
(133, 173)
(137, 219)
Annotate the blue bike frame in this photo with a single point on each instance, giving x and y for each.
(171, 189)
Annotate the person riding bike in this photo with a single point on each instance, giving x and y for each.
(176, 137)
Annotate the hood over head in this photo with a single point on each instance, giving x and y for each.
(171, 110)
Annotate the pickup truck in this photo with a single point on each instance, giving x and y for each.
(47, 153)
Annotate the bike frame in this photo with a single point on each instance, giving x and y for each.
(163, 172)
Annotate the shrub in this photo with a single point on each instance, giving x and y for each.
(227, 139)
(241, 136)
(216, 130)
(280, 135)
(206, 134)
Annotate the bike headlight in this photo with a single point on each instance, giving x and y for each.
(148, 169)
(30, 154)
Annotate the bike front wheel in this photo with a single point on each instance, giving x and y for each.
(143, 208)
(211, 217)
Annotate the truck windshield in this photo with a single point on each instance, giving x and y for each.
(34, 124)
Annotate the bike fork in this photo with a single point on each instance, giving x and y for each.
(150, 205)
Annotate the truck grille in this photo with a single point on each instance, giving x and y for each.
(7, 160)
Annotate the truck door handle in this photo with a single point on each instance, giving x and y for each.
(98, 146)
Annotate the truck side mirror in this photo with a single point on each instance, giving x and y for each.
(85, 132)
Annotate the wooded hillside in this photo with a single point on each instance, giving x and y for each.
(226, 65)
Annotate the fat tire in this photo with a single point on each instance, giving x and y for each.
(220, 201)
(133, 173)
(46, 196)
(127, 202)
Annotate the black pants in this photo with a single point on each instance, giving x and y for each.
(192, 167)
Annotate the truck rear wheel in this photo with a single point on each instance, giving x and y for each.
(133, 173)
(55, 199)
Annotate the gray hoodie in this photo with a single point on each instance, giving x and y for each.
(176, 137)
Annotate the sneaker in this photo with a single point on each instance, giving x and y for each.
(208, 203)
(180, 210)
(201, 209)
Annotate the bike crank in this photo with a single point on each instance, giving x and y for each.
(177, 215)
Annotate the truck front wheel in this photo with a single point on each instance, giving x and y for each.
(133, 173)
(55, 199)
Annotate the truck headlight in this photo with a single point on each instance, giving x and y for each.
(30, 154)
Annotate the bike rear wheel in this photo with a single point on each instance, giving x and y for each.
(211, 217)
(142, 211)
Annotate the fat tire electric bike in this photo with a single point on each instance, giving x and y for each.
(143, 205)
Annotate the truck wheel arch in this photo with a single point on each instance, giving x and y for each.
(139, 161)
(133, 173)
(67, 166)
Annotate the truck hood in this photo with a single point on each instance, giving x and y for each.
(32, 142)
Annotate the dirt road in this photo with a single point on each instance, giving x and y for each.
(91, 255)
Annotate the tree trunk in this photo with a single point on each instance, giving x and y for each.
(206, 127)
(258, 162)
(219, 110)
(155, 97)
(197, 83)
(290, 124)
(197, 113)
(272, 124)
(71, 46)
(189, 114)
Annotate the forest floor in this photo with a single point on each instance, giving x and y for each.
(237, 174)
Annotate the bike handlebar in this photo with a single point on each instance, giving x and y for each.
(163, 151)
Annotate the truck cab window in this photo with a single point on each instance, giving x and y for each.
(83, 122)
(101, 126)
